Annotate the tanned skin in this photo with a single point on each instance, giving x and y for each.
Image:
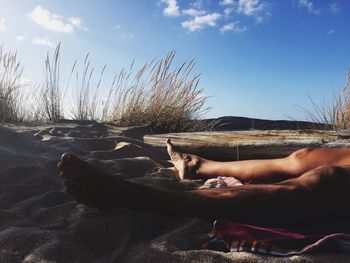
(310, 184)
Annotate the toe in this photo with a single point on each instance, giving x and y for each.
(172, 151)
(169, 146)
(60, 166)
(66, 157)
(66, 160)
(74, 161)
(70, 160)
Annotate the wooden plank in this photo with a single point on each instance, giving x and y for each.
(242, 145)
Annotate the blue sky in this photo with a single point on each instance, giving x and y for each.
(258, 58)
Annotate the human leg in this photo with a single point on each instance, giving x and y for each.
(192, 166)
(317, 193)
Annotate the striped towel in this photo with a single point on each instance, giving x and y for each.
(235, 237)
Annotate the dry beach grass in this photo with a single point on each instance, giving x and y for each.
(159, 95)
(336, 114)
(10, 84)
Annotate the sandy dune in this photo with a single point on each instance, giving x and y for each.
(41, 223)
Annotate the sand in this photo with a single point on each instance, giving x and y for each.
(39, 222)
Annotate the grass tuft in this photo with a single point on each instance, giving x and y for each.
(51, 95)
(86, 104)
(342, 107)
(11, 72)
(159, 95)
(333, 116)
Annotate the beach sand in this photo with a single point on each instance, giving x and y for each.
(39, 222)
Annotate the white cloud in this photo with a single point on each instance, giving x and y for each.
(54, 22)
(334, 8)
(200, 18)
(253, 8)
(122, 32)
(226, 2)
(172, 8)
(228, 11)
(330, 32)
(194, 12)
(198, 4)
(235, 27)
(200, 22)
(20, 38)
(117, 27)
(227, 27)
(3, 27)
(43, 41)
(128, 35)
(250, 7)
(75, 21)
(309, 5)
(260, 19)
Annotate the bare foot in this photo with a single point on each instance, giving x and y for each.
(186, 164)
(87, 184)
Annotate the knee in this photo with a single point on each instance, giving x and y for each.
(301, 154)
(297, 161)
(331, 170)
(329, 177)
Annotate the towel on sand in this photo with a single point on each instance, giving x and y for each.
(235, 237)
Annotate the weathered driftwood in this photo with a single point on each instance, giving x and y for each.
(242, 145)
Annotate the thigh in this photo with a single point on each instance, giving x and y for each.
(325, 189)
(307, 159)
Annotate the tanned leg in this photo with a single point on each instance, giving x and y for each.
(258, 171)
(319, 192)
